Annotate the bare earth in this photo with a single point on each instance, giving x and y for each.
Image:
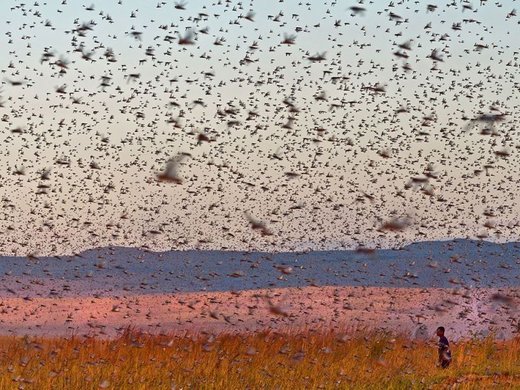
(415, 312)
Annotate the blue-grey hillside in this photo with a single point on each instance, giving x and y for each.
(120, 270)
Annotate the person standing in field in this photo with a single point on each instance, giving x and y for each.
(444, 348)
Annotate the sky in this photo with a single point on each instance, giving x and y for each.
(377, 144)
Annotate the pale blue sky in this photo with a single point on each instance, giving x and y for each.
(83, 205)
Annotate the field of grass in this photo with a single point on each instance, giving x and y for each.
(304, 360)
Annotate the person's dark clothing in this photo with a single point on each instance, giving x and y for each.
(444, 352)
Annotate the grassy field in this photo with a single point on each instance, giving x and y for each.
(305, 360)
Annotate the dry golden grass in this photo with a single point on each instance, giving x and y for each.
(304, 360)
